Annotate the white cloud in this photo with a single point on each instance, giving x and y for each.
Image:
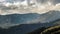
(2, 0)
(42, 8)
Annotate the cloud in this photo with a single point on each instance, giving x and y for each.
(41, 1)
(45, 1)
(44, 6)
(14, 0)
(41, 9)
(56, 1)
(2, 0)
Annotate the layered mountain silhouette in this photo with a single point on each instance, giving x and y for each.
(12, 19)
(28, 22)
(18, 18)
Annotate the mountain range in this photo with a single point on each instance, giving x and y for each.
(28, 22)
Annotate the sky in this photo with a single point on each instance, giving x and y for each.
(43, 5)
(40, 1)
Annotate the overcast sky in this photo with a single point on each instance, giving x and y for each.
(42, 1)
(42, 5)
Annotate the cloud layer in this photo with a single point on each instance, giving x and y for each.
(21, 6)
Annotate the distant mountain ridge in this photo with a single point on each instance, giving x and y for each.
(18, 18)
(50, 18)
(30, 18)
(13, 19)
